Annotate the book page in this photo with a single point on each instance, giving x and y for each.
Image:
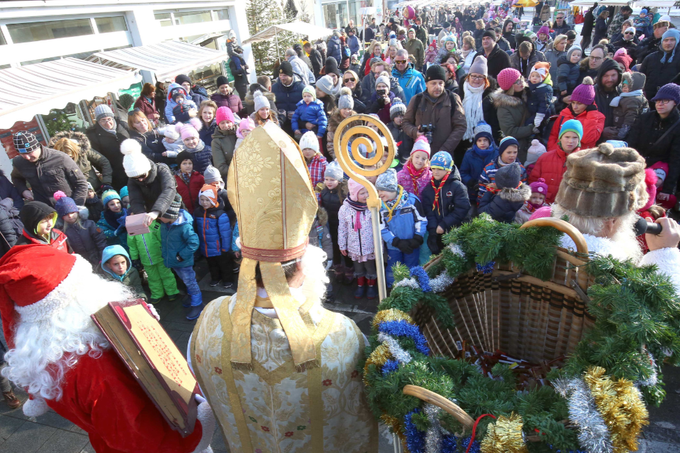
(162, 352)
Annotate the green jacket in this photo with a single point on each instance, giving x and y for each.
(147, 247)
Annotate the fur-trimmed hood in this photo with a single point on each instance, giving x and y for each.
(79, 137)
(502, 99)
(322, 216)
(336, 118)
(521, 194)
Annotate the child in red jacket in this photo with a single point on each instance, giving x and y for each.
(189, 182)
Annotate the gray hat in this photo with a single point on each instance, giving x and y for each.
(211, 175)
(383, 79)
(345, 101)
(509, 176)
(397, 108)
(334, 171)
(25, 142)
(479, 66)
(325, 84)
(260, 101)
(173, 211)
(102, 111)
(388, 181)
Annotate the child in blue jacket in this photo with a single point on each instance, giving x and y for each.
(179, 242)
(309, 110)
(402, 225)
(214, 234)
(112, 220)
(177, 95)
(483, 151)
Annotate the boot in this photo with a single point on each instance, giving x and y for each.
(194, 312)
(372, 291)
(361, 288)
(11, 399)
(349, 275)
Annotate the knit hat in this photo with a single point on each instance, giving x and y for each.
(542, 68)
(109, 195)
(182, 78)
(585, 92)
(102, 111)
(535, 151)
(354, 189)
(124, 192)
(25, 142)
(310, 90)
(388, 181)
(221, 80)
(670, 92)
(479, 66)
(671, 33)
(181, 157)
(664, 18)
(630, 30)
(507, 78)
(441, 161)
(483, 130)
(64, 204)
(509, 176)
(507, 141)
(345, 101)
(398, 108)
(661, 170)
(331, 66)
(246, 124)
(309, 140)
(224, 113)
(643, 11)
(489, 34)
(572, 126)
(603, 182)
(573, 49)
(634, 80)
(286, 68)
(325, 84)
(170, 132)
(177, 91)
(383, 79)
(188, 130)
(539, 187)
(650, 184)
(544, 29)
(435, 72)
(173, 211)
(421, 145)
(260, 101)
(135, 163)
(212, 175)
(210, 192)
(377, 61)
(334, 171)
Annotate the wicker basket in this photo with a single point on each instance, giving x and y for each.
(519, 314)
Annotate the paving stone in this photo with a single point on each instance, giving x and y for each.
(28, 438)
(8, 426)
(54, 420)
(64, 442)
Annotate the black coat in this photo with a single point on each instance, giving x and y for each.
(600, 30)
(152, 145)
(648, 128)
(155, 193)
(87, 241)
(497, 61)
(108, 145)
(9, 235)
(503, 206)
(659, 74)
(588, 23)
(317, 62)
(647, 46)
(454, 202)
(7, 190)
(603, 98)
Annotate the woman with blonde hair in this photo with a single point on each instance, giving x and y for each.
(206, 113)
(77, 146)
(142, 130)
(375, 51)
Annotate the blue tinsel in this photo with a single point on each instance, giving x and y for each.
(423, 279)
(449, 444)
(475, 445)
(390, 366)
(486, 268)
(405, 329)
(415, 439)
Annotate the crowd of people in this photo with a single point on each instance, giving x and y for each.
(483, 115)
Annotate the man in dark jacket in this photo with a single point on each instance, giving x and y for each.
(497, 59)
(334, 47)
(651, 43)
(560, 27)
(288, 92)
(656, 136)
(105, 137)
(46, 170)
(238, 67)
(439, 108)
(608, 86)
(662, 66)
(315, 58)
(196, 93)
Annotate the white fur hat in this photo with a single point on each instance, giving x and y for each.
(309, 140)
(135, 163)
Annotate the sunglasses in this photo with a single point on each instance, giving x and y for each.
(400, 61)
(350, 79)
(629, 33)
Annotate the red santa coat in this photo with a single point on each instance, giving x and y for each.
(102, 397)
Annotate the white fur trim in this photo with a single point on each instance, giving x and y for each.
(668, 262)
(207, 419)
(597, 245)
(35, 407)
(59, 297)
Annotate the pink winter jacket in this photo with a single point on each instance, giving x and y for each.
(359, 244)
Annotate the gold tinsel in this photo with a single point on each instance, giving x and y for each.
(505, 436)
(391, 315)
(393, 423)
(621, 406)
(379, 356)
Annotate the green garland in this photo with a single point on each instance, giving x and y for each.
(636, 313)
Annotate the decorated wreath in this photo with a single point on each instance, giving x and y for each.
(594, 402)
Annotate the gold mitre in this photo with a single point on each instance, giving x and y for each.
(270, 190)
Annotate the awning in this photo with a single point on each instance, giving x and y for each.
(38, 88)
(165, 60)
(298, 27)
(589, 3)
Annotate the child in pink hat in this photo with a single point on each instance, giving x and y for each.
(416, 174)
(539, 190)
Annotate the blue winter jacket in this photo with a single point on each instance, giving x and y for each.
(179, 241)
(214, 231)
(406, 220)
(411, 81)
(170, 104)
(353, 43)
(334, 49)
(287, 97)
(206, 133)
(202, 158)
(540, 101)
(312, 113)
(473, 163)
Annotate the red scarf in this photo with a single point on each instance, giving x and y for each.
(415, 175)
(435, 204)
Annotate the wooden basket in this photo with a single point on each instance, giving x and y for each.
(521, 315)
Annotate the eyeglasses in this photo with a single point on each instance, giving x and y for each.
(350, 79)
(519, 81)
(476, 77)
(400, 61)
(663, 101)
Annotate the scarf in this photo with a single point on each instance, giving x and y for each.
(113, 129)
(464, 54)
(472, 104)
(392, 205)
(484, 152)
(415, 175)
(186, 177)
(437, 189)
(358, 209)
(617, 99)
(198, 148)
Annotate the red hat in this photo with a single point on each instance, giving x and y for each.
(31, 293)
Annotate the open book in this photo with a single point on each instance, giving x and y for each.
(153, 359)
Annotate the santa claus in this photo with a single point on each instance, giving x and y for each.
(62, 359)
(600, 193)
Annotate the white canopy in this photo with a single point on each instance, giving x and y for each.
(165, 60)
(298, 27)
(38, 88)
(589, 3)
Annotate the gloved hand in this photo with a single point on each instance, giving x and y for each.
(137, 264)
(403, 245)
(433, 244)
(416, 241)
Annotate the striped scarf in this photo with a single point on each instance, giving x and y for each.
(437, 189)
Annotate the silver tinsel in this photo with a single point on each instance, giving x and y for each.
(652, 380)
(409, 282)
(433, 437)
(593, 433)
(397, 352)
(455, 248)
(441, 282)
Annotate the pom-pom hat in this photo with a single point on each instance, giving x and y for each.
(483, 130)
(398, 108)
(64, 204)
(135, 163)
(421, 145)
(585, 92)
(334, 171)
(260, 101)
(539, 187)
(345, 101)
(535, 151)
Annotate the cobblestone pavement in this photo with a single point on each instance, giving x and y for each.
(51, 433)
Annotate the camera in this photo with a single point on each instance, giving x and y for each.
(381, 92)
(427, 129)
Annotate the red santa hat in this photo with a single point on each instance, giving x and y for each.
(31, 292)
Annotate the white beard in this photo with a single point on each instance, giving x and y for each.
(45, 350)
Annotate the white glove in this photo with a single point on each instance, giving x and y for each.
(207, 419)
(155, 314)
(538, 119)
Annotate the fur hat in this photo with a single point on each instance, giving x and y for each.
(507, 78)
(442, 161)
(310, 90)
(509, 177)
(535, 151)
(345, 101)
(64, 204)
(224, 113)
(135, 163)
(479, 66)
(421, 145)
(539, 187)
(397, 108)
(634, 80)
(388, 181)
(334, 171)
(260, 101)
(585, 92)
(603, 182)
(483, 130)
(309, 140)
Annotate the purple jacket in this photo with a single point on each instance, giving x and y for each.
(404, 179)
(357, 243)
